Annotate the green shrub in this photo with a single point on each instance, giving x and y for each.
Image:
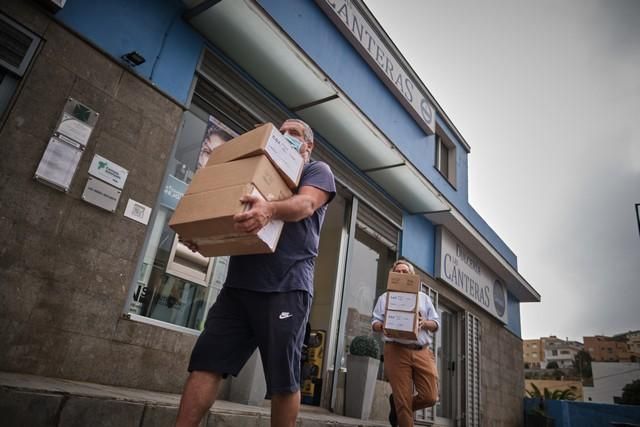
(364, 345)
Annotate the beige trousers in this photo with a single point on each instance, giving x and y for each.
(405, 369)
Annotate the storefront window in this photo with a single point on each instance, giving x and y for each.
(366, 278)
(173, 284)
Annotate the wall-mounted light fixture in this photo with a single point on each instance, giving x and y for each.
(133, 58)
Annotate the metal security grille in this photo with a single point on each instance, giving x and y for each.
(472, 358)
(376, 226)
(17, 46)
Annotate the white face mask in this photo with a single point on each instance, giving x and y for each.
(295, 142)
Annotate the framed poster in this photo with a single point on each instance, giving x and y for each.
(217, 133)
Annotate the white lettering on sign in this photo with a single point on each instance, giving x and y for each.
(353, 24)
(460, 268)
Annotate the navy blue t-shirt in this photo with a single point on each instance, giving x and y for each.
(291, 266)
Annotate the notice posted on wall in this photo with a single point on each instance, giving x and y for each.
(137, 212)
(58, 164)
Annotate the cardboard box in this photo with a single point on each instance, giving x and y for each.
(401, 312)
(256, 170)
(403, 282)
(207, 218)
(266, 140)
(401, 324)
(264, 242)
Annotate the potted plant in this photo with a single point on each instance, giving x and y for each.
(362, 371)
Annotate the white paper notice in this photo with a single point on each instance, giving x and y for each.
(137, 212)
(399, 320)
(74, 129)
(401, 301)
(58, 164)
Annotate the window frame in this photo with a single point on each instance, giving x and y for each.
(444, 144)
(31, 50)
(12, 75)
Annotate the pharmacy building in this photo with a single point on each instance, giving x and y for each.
(105, 107)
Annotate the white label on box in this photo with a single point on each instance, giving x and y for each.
(270, 233)
(399, 320)
(288, 160)
(401, 301)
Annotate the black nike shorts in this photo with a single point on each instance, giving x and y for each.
(241, 320)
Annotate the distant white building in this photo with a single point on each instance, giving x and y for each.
(609, 378)
(563, 352)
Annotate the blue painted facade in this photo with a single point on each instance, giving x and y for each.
(312, 30)
(153, 28)
(419, 242)
(171, 47)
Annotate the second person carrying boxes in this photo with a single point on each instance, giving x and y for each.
(401, 313)
(260, 162)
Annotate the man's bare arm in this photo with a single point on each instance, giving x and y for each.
(296, 208)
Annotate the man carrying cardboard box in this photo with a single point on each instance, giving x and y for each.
(409, 363)
(266, 299)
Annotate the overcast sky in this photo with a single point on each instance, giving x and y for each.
(547, 94)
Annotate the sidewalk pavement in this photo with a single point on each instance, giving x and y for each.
(34, 401)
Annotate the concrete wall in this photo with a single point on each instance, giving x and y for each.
(609, 378)
(65, 265)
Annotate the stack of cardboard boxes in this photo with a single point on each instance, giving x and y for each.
(261, 163)
(401, 313)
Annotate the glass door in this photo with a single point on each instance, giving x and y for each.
(447, 361)
(368, 263)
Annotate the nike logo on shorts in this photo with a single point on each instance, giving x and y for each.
(285, 315)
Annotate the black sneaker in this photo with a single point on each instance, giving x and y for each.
(393, 418)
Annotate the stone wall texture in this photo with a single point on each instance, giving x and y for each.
(66, 266)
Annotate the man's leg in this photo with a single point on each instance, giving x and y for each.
(284, 409)
(227, 328)
(200, 391)
(279, 322)
(397, 368)
(425, 377)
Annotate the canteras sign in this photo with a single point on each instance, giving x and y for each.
(351, 21)
(459, 267)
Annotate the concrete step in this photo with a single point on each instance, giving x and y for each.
(33, 401)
